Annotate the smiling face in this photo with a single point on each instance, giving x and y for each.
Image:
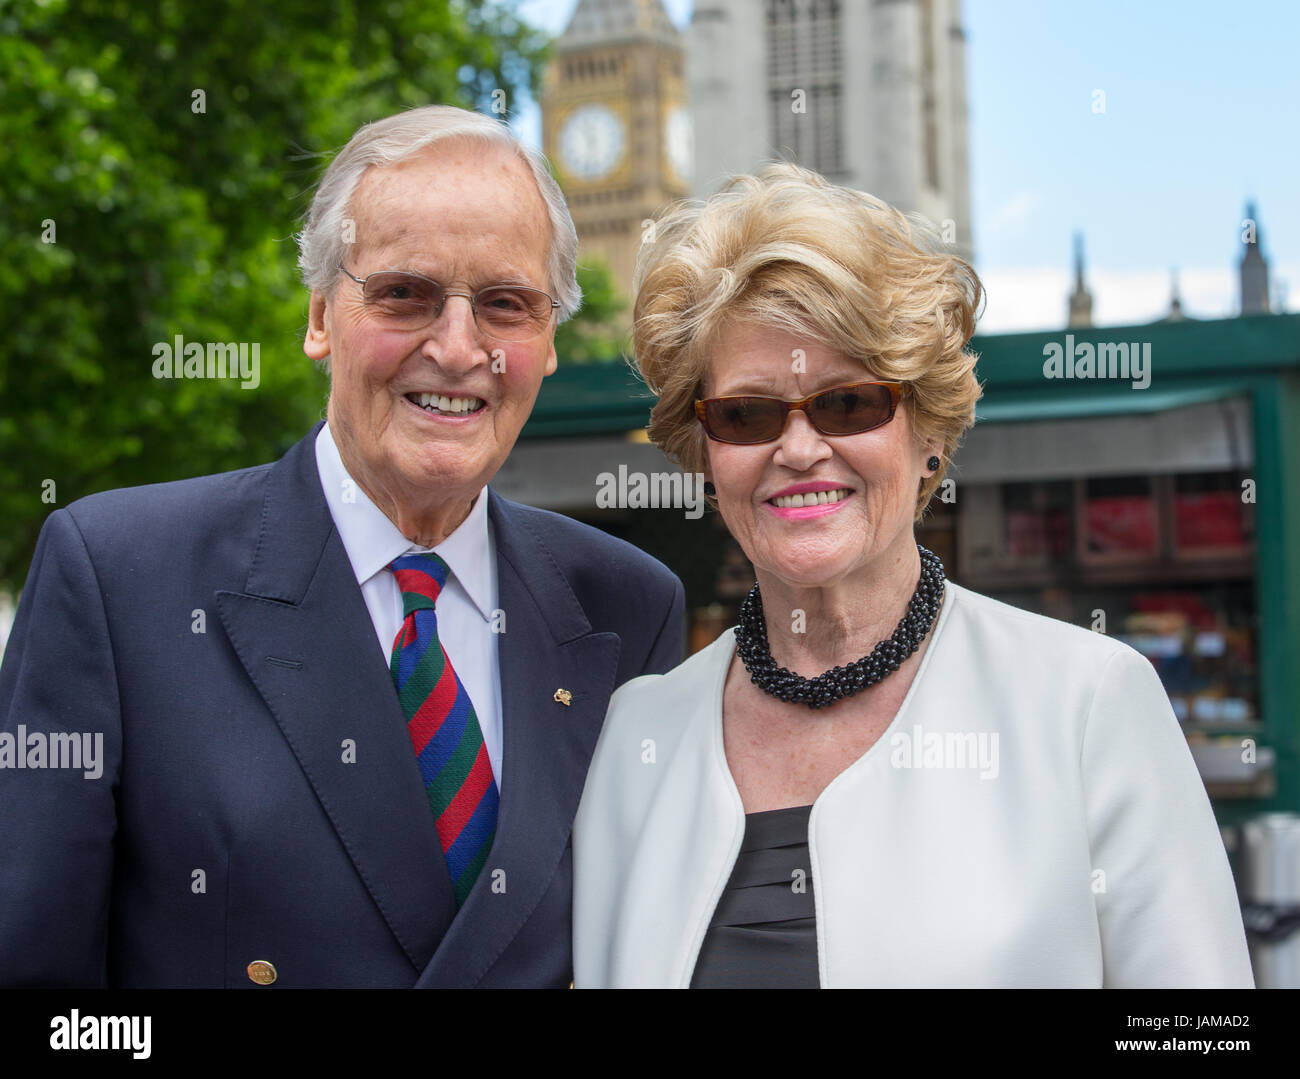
(869, 480)
(465, 215)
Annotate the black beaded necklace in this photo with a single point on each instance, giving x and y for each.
(840, 682)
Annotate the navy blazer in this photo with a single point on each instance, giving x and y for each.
(213, 631)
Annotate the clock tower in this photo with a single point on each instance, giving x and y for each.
(616, 126)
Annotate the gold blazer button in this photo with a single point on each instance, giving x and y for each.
(261, 971)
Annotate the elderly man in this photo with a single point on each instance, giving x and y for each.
(336, 711)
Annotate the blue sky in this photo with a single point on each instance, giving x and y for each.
(1200, 115)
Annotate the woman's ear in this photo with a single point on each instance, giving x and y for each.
(705, 472)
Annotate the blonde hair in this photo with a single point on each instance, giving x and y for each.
(786, 248)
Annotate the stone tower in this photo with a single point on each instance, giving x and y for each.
(615, 124)
(871, 95)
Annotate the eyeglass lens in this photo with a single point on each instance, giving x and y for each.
(411, 301)
(846, 410)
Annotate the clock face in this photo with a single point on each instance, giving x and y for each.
(679, 141)
(591, 142)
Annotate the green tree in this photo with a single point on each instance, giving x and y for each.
(158, 160)
(600, 332)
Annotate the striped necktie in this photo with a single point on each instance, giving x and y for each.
(444, 729)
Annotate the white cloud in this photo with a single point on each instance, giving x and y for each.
(1035, 298)
(1024, 299)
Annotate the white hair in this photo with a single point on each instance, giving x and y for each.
(322, 245)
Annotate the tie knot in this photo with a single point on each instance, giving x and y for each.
(420, 577)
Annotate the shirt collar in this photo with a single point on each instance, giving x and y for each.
(372, 541)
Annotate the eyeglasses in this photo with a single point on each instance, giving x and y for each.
(408, 301)
(844, 410)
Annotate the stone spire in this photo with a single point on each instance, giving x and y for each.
(1080, 298)
(1254, 267)
(1175, 301)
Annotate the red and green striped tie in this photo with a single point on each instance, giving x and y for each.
(444, 729)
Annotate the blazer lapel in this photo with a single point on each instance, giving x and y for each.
(303, 634)
(547, 646)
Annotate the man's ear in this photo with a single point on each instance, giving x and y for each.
(317, 342)
(551, 362)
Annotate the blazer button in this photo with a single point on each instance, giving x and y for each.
(261, 971)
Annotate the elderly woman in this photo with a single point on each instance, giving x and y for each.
(878, 778)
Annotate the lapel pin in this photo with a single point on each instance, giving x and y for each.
(564, 697)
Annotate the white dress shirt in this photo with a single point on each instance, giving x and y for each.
(465, 604)
(1032, 817)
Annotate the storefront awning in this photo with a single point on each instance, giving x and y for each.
(1064, 400)
(1198, 430)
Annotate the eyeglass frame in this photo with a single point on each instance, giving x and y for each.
(897, 391)
(473, 307)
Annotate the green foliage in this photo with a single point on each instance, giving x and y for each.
(600, 332)
(170, 218)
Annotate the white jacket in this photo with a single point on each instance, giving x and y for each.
(1051, 829)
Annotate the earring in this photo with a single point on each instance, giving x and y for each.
(709, 489)
(932, 464)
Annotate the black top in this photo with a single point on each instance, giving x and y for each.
(764, 930)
